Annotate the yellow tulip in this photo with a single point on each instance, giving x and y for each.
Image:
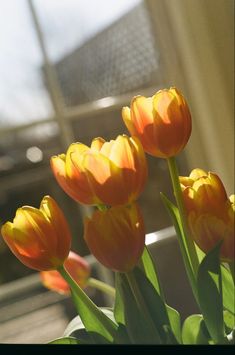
(116, 236)
(161, 122)
(110, 173)
(39, 238)
(210, 212)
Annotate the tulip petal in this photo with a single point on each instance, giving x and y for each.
(208, 230)
(54, 281)
(58, 168)
(97, 144)
(142, 117)
(104, 177)
(126, 116)
(197, 173)
(59, 225)
(107, 148)
(116, 237)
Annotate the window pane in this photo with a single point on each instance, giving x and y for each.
(99, 48)
(23, 95)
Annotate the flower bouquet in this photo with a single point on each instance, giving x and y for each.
(110, 176)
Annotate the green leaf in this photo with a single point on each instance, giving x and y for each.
(229, 321)
(151, 273)
(228, 290)
(150, 269)
(154, 303)
(76, 329)
(138, 328)
(194, 330)
(175, 323)
(66, 340)
(200, 253)
(210, 294)
(94, 320)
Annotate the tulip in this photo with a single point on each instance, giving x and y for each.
(110, 173)
(209, 211)
(39, 238)
(161, 122)
(116, 236)
(76, 266)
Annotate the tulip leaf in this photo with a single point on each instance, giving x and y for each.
(76, 329)
(228, 290)
(66, 340)
(151, 273)
(229, 321)
(194, 331)
(175, 323)
(138, 328)
(150, 269)
(200, 253)
(152, 305)
(209, 284)
(95, 321)
(155, 305)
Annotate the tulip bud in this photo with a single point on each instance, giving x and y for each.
(76, 266)
(161, 122)
(116, 236)
(110, 173)
(39, 238)
(210, 212)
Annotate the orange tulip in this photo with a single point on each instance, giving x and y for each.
(76, 266)
(110, 173)
(39, 238)
(161, 122)
(210, 212)
(116, 236)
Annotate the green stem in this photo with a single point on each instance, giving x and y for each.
(140, 299)
(179, 199)
(110, 327)
(232, 270)
(101, 286)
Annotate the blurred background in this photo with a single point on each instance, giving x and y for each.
(68, 67)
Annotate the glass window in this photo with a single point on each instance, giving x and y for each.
(23, 95)
(99, 48)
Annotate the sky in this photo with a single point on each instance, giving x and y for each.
(66, 24)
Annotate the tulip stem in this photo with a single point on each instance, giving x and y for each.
(189, 244)
(101, 286)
